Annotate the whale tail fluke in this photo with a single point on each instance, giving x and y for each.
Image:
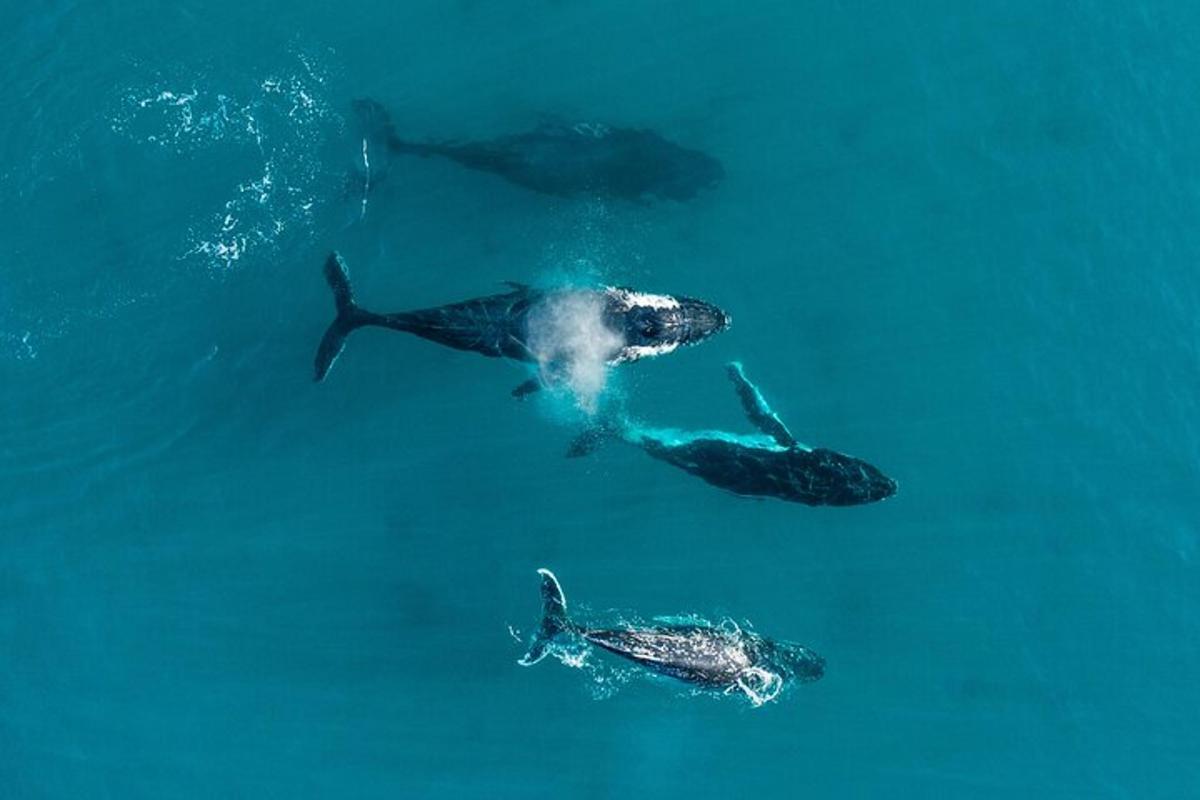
(373, 119)
(377, 128)
(554, 619)
(349, 316)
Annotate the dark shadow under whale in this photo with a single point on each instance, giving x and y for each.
(721, 658)
(564, 160)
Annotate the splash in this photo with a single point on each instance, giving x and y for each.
(19, 344)
(270, 129)
(573, 345)
(760, 685)
(605, 676)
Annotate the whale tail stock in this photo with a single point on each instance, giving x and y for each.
(554, 619)
(349, 316)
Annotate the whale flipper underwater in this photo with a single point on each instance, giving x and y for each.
(523, 323)
(722, 658)
(566, 160)
(771, 465)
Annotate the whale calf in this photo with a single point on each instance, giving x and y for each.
(773, 464)
(524, 323)
(566, 160)
(726, 659)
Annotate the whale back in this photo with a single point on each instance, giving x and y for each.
(697, 654)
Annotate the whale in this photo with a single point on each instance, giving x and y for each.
(516, 324)
(772, 463)
(720, 658)
(563, 160)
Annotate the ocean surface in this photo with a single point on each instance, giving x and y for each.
(961, 241)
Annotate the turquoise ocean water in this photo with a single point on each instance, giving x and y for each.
(958, 240)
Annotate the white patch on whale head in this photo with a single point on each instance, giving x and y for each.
(636, 351)
(626, 299)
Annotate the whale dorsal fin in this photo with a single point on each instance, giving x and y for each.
(516, 286)
(757, 409)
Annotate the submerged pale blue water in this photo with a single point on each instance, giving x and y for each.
(961, 242)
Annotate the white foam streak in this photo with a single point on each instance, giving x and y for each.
(760, 686)
(273, 131)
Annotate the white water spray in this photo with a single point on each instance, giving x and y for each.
(572, 344)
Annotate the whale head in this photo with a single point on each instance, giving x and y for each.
(826, 477)
(657, 324)
(868, 483)
(793, 662)
(877, 486)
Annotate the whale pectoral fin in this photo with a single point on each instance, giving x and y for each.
(587, 442)
(527, 388)
(524, 348)
(757, 409)
(601, 429)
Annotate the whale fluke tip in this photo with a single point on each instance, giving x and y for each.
(554, 619)
(349, 316)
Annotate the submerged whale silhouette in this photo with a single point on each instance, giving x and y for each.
(772, 465)
(566, 160)
(517, 323)
(718, 658)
